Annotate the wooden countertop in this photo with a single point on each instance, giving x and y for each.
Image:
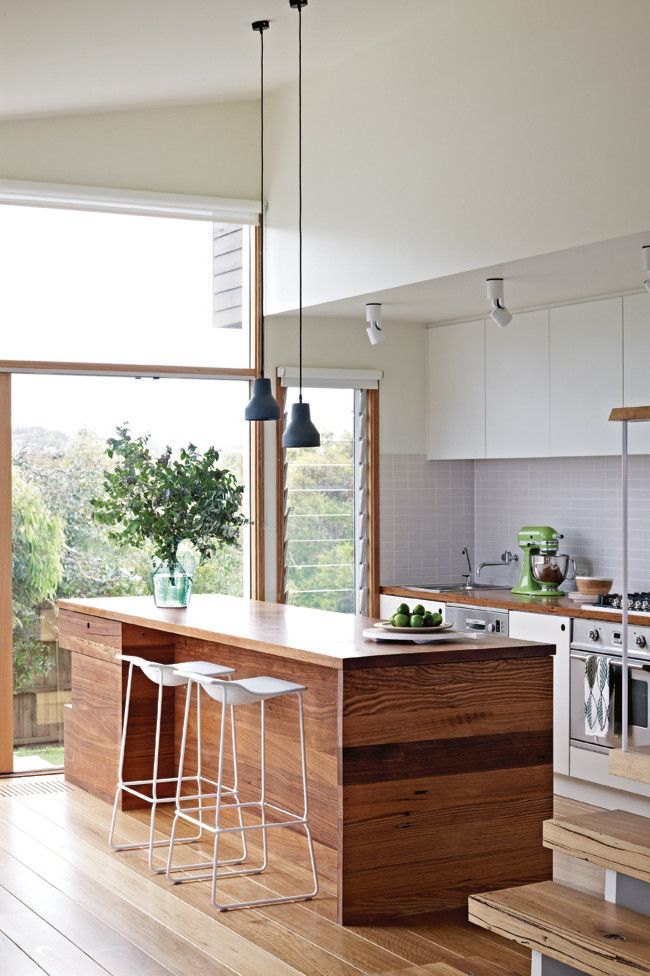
(332, 640)
(499, 599)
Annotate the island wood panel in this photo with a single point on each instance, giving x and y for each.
(93, 720)
(284, 784)
(436, 809)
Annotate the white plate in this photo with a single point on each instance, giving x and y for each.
(386, 625)
(416, 636)
(582, 597)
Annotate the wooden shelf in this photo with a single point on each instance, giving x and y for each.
(634, 764)
(631, 414)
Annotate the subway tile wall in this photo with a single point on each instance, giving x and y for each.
(426, 516)
(430, 510)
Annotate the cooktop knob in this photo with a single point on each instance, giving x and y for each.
(489, 628)
(641, 641)
(594, 635)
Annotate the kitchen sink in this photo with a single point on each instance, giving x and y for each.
(458, 587)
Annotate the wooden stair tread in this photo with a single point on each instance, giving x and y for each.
(594, 936)
(613, 839)
(634, 764)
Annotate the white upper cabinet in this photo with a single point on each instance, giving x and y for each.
(517, 387)
(586, 377)
(456, 391)
(636, 365)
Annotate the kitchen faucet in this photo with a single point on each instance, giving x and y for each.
(467, 576)
(507, 557)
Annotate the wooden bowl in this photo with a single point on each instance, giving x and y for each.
(593, 585)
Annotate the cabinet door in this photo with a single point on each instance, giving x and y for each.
(636, 365)
(516, 387)
(586, 377)
(456, 391)
(388, 605)
(549, 629)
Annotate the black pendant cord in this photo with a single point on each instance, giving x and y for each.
(261, 26)
(300, 201)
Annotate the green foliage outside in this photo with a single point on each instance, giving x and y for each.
(61, 551)
(320, 526)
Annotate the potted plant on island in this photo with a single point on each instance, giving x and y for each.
(181, 507)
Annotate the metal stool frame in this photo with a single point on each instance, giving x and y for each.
(168, 675)
(230, 694)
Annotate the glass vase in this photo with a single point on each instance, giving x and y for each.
(172, 585)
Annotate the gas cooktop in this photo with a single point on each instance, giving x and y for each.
(638, 602)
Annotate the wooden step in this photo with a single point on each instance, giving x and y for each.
(634, 764)
(613, 839)
(593, 936)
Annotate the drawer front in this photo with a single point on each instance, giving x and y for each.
(86, 634)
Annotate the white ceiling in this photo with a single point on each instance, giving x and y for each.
(69, 56)
(606, 268)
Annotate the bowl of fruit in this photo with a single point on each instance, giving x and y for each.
(405, 620)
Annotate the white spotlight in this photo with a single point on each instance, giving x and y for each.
(373, 318)
(498, 311)
(645, 249)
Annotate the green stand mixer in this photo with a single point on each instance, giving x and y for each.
(543, 568)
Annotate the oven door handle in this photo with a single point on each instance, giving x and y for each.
(615, 664)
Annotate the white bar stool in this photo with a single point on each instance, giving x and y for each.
(165, 676)
(246, 691)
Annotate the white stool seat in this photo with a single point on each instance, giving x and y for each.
(245, 691)
(176, 675)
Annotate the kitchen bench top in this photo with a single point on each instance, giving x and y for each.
(320, 637)
(500, 599)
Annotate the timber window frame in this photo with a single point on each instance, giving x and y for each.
(365, 385)
(243, 212)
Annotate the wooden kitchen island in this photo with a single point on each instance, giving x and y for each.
(430, 766)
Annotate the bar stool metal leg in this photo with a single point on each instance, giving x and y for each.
(154, 799)
(201, 796)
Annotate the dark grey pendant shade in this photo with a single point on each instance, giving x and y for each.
(262, 405)
(300, 431)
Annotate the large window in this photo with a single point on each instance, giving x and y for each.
(102, 292)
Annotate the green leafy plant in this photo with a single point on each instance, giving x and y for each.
(164, 501)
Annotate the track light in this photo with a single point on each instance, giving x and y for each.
(646, 265)
(498, 311)
(373, 318)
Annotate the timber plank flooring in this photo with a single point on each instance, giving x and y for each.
(71, 907)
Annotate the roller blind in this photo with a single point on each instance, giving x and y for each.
(321, 378)
(111, 200)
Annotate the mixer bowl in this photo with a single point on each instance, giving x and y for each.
(552, 569)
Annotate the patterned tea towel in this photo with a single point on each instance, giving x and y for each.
(597, 671)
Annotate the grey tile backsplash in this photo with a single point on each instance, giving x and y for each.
(431, 509)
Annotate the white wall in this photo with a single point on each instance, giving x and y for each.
(488, 132)
(204, 149)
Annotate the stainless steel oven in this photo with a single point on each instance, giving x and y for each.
(602, 637)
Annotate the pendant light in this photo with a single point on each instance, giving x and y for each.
(262, 405)
(300, 431)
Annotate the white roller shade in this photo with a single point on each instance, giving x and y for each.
(68, 197)
(341, 379)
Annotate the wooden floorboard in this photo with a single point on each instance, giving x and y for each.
(71, 907)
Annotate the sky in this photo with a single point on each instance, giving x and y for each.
(97, 287)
